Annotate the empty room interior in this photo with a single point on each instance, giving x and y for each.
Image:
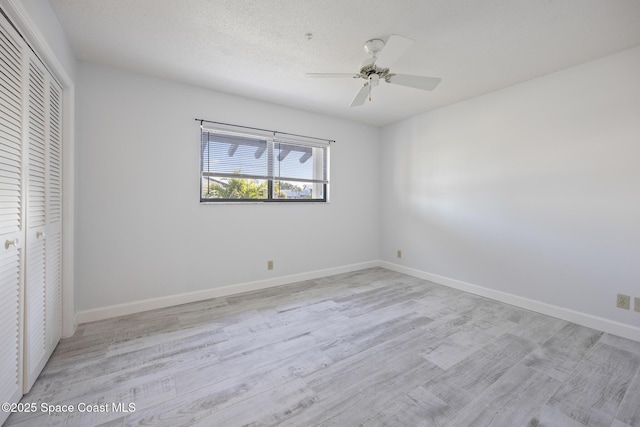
(306, 213)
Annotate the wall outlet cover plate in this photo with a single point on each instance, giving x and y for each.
(623, 301)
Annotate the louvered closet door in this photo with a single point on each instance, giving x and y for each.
(11, 214)
(53, 265)
(36, 247)
(43, 271)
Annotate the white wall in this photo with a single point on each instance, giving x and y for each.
(533, 190)
(142, 233)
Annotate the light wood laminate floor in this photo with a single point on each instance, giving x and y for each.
(371, 348)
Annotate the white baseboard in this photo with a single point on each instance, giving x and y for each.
(69, 330)
(584, 319)
(171, 300)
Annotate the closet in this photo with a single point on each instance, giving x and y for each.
(30, 215)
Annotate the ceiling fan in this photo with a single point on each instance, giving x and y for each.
(376, 68)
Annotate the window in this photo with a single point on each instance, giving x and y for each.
(260, 166)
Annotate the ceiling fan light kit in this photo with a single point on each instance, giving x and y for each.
(381, 56)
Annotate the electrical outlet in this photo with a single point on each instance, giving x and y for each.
(399, 253)
(623, 301)
(269, 265)
(636, 305)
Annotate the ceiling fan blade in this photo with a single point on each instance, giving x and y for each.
(331, 75)
(361, 96)
(392, 50)
(418, 82)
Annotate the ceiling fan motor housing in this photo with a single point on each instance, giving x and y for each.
(368, 69)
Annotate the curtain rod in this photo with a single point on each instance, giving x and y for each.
(263, 130)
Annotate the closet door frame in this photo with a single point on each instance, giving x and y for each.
(31, 280)
(19, 15)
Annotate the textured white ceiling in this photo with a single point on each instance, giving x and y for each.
(258, 48)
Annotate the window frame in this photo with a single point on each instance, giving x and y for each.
(273, 139)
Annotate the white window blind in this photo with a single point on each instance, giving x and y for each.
(258, 166)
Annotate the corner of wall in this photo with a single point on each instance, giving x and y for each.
(616, 328)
